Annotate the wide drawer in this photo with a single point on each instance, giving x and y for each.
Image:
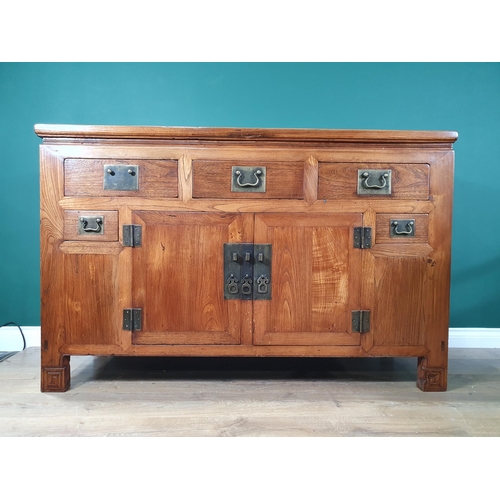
(111, 177)
(384, 180)
(248, 179)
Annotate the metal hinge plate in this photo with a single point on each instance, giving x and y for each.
(362, 237)
(132, 319)
(132, 235)
(361, 321)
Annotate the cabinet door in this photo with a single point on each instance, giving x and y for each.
(177, 278)
(316, 279)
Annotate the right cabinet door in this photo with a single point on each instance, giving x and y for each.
(316, 279)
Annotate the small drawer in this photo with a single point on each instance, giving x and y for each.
(115, 177)
(373, 180)
(402, 228)
(248, 179)
(90, 225)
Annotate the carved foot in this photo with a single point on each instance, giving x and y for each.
(431, 379)
(56, 378)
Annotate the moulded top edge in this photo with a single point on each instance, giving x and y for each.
(236, 134)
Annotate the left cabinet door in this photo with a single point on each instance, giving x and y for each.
(178, 278)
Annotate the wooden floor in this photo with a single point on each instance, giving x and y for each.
(251, 397)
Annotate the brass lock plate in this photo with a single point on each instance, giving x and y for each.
(121, 177)
(247, 271)
(248, 179)
(374, 182)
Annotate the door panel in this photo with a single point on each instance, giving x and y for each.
(178, 278)
(316, 278)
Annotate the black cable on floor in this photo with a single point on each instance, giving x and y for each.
(11, 323)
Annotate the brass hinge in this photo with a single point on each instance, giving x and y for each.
(362, 237)
(361, 321)
(132, 319)
(132, 235)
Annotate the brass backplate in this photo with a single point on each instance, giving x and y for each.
(121, 177)
(248, 179)
(374, 182)
(247, 271)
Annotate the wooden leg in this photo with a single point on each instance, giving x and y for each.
(55, 378)
(432, 376)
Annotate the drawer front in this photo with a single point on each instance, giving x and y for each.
(104, 177)
(90, 225)
(248, 179)
(402, 228)
(384, 180)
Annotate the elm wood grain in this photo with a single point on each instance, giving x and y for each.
(422, 138)
(433, 368)
(252, 397)
(178, 278)
(212, 179)
(183, 147)
(311, 180)
(55, 372)
(84, 177)
(245, 350)
(340, 180)
(315, 279)
(249, 206)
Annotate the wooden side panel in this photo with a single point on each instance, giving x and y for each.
(399, 307)
(89, 303)
(85, 177)
(316, 277)
(212, 179)
(178, 278)
(340, 180)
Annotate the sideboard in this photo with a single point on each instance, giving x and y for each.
(168, 241)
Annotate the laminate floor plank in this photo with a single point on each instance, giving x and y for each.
(251, 397)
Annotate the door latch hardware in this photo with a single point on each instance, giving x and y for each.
(262, 284)
(132, 235)
(132, 319)
(247, 271)
(361, 321)
(404, 228)
(374, 182)
(121, 177)
(232, 285)
(248, 179)
(362, 237)
(94, 225)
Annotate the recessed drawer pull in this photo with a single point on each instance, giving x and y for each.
(382, 180)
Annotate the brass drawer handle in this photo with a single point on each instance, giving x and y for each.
(248, 184)
(248, 179)
(84, 224)
(383, 181)
(409, 227)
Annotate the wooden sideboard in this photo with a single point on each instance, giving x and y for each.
(162, 241)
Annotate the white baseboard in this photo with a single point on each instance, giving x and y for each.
(11, 340)
(480, 338)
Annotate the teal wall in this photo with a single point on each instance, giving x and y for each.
(438, 96)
